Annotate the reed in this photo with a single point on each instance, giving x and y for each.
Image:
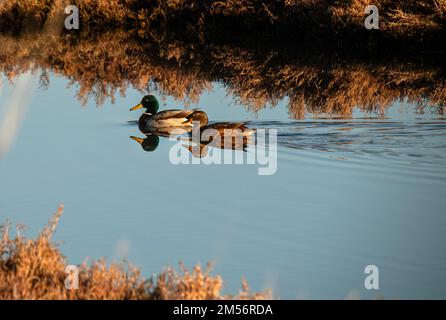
(400, 19)
(35, 269)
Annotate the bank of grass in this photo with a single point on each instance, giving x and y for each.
(418, 20)
(35, 269)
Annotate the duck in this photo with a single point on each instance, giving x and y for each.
(232, 129)
(221, 135)
(152, 120)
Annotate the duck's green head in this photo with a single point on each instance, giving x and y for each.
(150, 103)
(149, 144)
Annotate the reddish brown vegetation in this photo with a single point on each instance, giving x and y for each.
(35, 269)
(399, 18)
(313, 82)
(317, 82)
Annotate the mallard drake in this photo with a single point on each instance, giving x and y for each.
(152, 120)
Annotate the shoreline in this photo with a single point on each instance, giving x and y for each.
(402, 24)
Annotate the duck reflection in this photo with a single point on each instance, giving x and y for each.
(151, 140)
(149, 143)
(221, 135)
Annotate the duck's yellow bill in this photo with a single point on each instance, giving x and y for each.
(139, 106)
(139, 140)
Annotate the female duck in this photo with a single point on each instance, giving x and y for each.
(152, 120)
(221, 135)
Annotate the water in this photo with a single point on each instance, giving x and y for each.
(346, 194)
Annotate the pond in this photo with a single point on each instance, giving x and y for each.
(348, 192)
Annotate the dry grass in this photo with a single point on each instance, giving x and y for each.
(315, 82)
(35, 269)
(400, 19)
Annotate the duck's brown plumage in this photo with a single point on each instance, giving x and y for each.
(230, 128)
(239, 134)
(172, 118)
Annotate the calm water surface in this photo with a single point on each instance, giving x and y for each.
(346, 194)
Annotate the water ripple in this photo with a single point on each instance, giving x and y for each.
(416, 141)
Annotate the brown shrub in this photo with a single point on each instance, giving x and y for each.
(400, 19)
(35, 269)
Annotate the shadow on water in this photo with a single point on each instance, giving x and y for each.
(311, 81)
